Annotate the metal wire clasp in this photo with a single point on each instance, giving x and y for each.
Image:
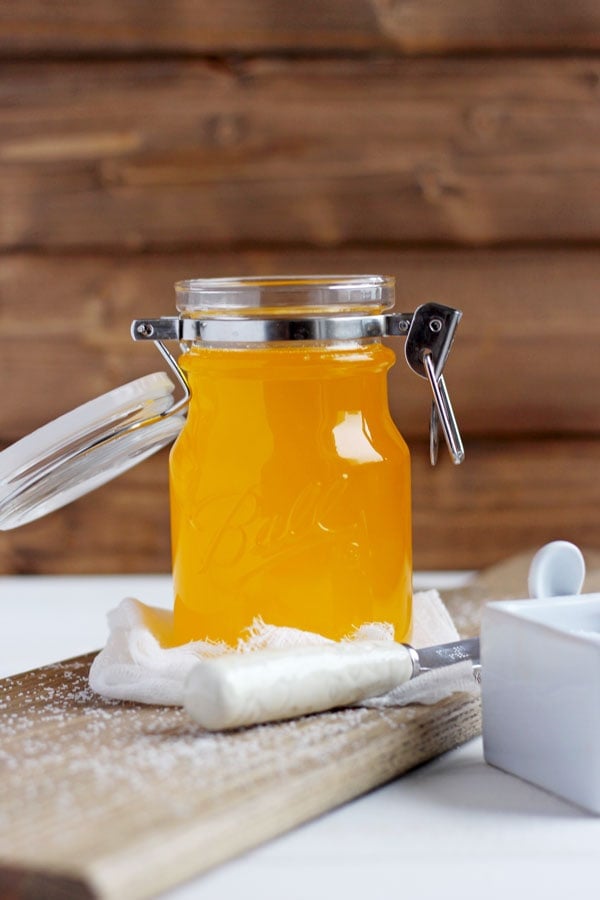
(428, 344)
(429, 333)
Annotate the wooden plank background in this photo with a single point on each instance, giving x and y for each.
(233, 26)
(155, 154)
(457, 148)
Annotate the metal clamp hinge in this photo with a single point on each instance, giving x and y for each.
(428, 344)
(429, 333)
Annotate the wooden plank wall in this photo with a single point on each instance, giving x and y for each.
(456, 146)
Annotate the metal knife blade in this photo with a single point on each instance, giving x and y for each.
(446, 654)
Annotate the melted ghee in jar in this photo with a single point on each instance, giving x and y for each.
(290, 493)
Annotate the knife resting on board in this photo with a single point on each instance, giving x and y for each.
(234, 690)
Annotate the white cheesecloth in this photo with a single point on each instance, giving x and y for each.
(134, 666)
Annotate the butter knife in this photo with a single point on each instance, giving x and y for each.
(240, 689)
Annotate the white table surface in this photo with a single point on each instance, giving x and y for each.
(455, 828)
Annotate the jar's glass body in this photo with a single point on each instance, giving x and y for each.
(290, 491)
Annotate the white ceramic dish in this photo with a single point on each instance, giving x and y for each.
(541, 693)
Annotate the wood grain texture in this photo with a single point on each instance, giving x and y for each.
(233, 26)
(109, 800)
(168, 152)
(103, 799)
(508, 495)
(523, 363)
(118, 800)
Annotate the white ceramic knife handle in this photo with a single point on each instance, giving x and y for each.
(268, 685)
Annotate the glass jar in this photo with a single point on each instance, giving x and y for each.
(290, 483)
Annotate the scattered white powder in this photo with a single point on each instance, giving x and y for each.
(89, 782)
(71, 760)
(84, 778)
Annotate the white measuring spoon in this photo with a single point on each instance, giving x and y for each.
(556, 570)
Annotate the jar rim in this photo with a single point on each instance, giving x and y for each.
(286, 294)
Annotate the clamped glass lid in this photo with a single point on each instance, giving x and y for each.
(85, 448)
(101, 439)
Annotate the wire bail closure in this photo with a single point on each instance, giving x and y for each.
(428, 344)
(429, 333)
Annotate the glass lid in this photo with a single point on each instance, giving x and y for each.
(85, 448)
(286, 295)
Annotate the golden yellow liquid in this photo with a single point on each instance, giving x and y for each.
(290, 493)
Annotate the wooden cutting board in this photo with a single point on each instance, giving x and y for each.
(113, 800)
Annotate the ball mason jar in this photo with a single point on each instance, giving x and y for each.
(289, 483)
